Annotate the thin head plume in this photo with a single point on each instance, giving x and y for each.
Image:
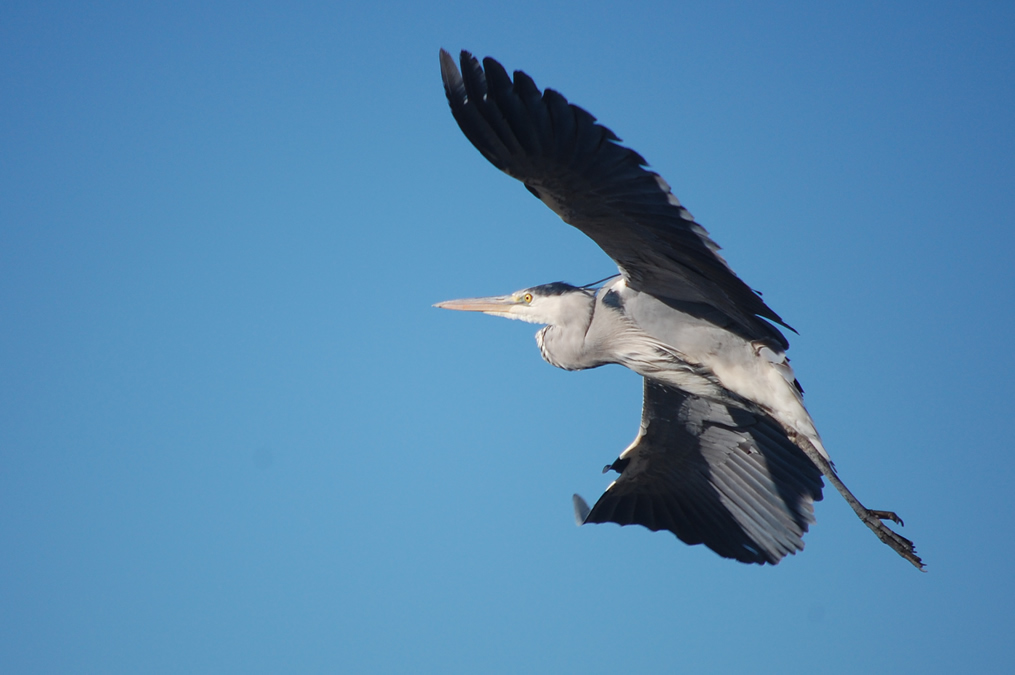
(596, 283)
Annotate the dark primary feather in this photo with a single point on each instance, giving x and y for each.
(578, 168)
(713, 474)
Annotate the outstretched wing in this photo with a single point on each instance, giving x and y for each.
(578, 169)
(715, 474)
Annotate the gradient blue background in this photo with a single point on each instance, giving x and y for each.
(235, 436)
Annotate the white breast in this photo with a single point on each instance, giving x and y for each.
(714, 355)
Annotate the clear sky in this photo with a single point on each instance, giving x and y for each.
(236, 437)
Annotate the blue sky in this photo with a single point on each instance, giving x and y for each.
(236, 437)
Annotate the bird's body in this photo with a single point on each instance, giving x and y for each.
(617, 324)
(727, 454)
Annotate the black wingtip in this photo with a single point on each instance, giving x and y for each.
(450, 75)
(447, 62)
(581, 509)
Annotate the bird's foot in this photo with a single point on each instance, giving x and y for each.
(904, 547)
(887, 515)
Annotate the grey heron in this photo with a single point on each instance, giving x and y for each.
(727, 454)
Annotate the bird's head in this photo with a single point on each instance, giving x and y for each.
(553, 304)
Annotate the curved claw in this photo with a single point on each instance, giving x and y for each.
(888, 515)
(902, 546)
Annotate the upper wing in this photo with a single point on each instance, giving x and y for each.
(578, 169)
(715, 474)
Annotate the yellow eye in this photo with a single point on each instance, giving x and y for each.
(527, 297)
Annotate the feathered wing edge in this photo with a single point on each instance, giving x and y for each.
(578, 168)
(714, 474)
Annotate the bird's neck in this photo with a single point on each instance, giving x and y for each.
(562, 344)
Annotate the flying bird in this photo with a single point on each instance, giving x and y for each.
(727, 455)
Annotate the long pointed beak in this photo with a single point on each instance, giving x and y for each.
(498, 304)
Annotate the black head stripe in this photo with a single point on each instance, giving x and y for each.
(556, 288)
